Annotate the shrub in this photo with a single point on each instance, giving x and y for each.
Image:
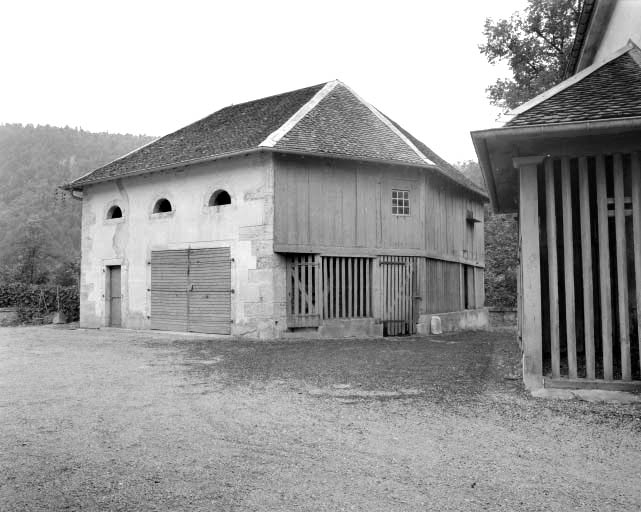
(34, 302)
(501, 260)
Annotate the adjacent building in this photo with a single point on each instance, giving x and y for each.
(569, 163)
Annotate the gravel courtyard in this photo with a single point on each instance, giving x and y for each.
(124, 420)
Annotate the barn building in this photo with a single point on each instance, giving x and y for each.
(569, 161)
(308, 211)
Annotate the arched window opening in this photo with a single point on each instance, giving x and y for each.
(162, 206)
(114, 212)
(219, 198)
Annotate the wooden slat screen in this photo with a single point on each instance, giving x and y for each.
(346, 287)
(590, 208)
(398, 288)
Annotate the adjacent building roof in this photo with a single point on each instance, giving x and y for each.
(608, 90)
(326, 119)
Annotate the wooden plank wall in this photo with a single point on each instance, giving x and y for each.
(592, 230)
(444, 287)
(343, 207)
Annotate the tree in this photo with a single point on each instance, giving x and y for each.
(472, 171)
(536, 44)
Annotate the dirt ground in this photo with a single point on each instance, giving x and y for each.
(123, 420)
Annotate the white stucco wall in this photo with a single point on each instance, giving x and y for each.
(246, 226)
(625, 24)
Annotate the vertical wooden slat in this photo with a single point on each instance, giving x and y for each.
(553, 279)
(622, 266)
(568, 266)
(309, 291)
(325, 288)
(330, 287)
(342, 306)
(368, 280)
(289, 287)
(604, 267)
(586, 260)
(350, 286)
(318, 284)
(361, 287)
(395, 296)
(636, 231)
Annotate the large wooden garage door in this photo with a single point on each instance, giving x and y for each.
(191, 290)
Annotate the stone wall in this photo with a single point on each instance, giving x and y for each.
(246, 226)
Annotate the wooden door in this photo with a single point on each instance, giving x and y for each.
(398, 289)
(169, 283)
(191, 290)
(209, 296)
(303, 291)
(115, 297)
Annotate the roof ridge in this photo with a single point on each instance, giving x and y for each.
(265, 98)
(567, 83)
(272, 139)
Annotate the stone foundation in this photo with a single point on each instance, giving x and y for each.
(503, 318)
(467, 320)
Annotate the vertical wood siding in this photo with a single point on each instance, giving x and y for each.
(347, 205)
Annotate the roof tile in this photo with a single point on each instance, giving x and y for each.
(610, 92)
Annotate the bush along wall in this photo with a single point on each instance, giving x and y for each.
(36, 303)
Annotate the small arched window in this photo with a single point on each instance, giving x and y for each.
(219, 198)
(114, 212)
(162, 206)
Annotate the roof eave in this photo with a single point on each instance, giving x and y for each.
(73, 186)
(168, 167)
(568, 128)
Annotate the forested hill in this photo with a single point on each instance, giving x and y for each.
(37, 219)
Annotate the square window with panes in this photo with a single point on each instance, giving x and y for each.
(400, 202)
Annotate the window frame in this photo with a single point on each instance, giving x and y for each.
(401, 202)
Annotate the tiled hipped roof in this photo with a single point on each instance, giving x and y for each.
(611, 91)
(342, 125)
(229, 130)
(326, 119)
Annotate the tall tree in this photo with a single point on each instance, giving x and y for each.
(536, 44)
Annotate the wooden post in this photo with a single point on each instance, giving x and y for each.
(636, 228)
(586, 259)
(622, 267)
(530, 297)
(604, 267)
(568, 267)
(553, 271)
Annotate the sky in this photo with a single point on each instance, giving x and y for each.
(152, 67)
